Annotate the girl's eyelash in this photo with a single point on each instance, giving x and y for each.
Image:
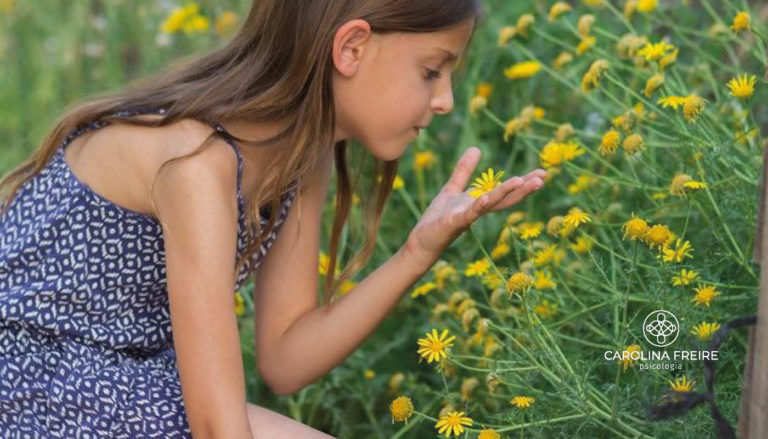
(433, 74)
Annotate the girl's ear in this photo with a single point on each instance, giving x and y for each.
(349, 43)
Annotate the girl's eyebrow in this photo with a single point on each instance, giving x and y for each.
(448, 55)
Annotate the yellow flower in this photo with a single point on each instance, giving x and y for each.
(545, 309)
(585, 44)
(424, 160)
(658, 235)
(369, 374)
(486, 183)
(742, 86)
(741, 22)
(477, 268)
(423, 289)
(591, 79)
(681, 182)
(704, 295)
(7, 5)
(476, 104)
(636, 228)
(557, 10)
(562, 59)
(583, 244)
(627, 360)
(672, 101)
(452, 423)
(398, 182)
(467, 387)
(395, 381)
(647, 5)
(500, 250)
(519, 283)
(582, 182)
(545, 255)
(401, 408)
(488, 433)
(524, 23)
(653, 52)
(705, 330)
(522, 70)
(521, 401)
(514, 218)
(432, 348)
(564, 131)
(239, 304)
(634, 144)
(323, 263)
(681, 251)
(505, 34)
(669, 59)
(346, 286)
(629, 8)
(180, 18)
(593, 3)
(484, 89)
(653, 83)
(609, 143)
(530, 230)
(226, 23)
(197, 23)
(685, 277)
(575, 217)
(584, 25)
(556, 153)
(682, 384)
(543, 280)
(692, 107)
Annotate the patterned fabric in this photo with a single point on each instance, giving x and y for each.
(86, 349)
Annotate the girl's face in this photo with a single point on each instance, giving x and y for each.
(389, 86)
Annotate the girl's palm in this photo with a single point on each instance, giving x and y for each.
(453, 210)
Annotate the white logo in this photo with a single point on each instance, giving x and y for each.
(660, 328)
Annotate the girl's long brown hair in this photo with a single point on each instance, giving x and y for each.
(277, 67)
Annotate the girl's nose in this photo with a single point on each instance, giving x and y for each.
(443, 101)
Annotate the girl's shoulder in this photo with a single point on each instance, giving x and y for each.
(120, 161)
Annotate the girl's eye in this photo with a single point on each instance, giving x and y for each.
(433, 74)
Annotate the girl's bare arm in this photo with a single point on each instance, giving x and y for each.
(196, 204)
(297, 341)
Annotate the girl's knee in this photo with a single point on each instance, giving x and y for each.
(267, 424)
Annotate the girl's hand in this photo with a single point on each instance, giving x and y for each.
(453, 210)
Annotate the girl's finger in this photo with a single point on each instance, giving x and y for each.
(463, 171)
(517, 195)
(474, 211)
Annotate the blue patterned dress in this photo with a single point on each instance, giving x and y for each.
(86, 349)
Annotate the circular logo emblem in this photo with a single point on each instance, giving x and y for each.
(661, 328)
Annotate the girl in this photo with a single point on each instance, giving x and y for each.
(124, 236)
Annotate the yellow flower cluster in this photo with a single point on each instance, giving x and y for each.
(185, 19)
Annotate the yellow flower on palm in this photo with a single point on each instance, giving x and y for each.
(423, 289)
(741, 22)
(401, 408)
(488, 433)
(629, 356)
(681, 251)
(433, 347)
(522, 70)
(576, 217)
(685, 277)
(486, 183)
(453, 424)
(522, 402)
(477, 268)
(239, 304)
(424, 160)
(530, 230)
(705, 330)
(742, 86)
(704, 295)
(682, 384)
(543, 280)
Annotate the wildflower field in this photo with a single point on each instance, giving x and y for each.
(649, 116)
